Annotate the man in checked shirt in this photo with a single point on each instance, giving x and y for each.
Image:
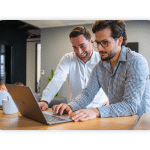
(121, 72)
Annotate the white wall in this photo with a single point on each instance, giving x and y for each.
(139, 31)
(55, 43)
(30, 65)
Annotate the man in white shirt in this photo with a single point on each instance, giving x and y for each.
(76, 67)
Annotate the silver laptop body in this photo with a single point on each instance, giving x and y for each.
(29, 108)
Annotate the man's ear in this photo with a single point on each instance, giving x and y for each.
(92, 40)
(3, 88)
(120, 41)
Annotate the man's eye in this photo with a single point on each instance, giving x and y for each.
(105, 42)
(82, 46)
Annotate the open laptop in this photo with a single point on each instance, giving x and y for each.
(28, 106)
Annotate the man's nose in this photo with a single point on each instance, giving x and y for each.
(100, 47)
(80, 50)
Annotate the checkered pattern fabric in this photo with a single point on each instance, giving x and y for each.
(124, 86)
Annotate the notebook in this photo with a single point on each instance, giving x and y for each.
(29, 108)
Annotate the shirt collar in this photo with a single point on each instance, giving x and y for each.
(93, 55)
(123, 53)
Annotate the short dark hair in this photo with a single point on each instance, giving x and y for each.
(1, 84)
(80, 30)
(118, 28)
(19, 83)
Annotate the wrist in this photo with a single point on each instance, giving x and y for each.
(70, 107)
(44, 101)
(97, 112)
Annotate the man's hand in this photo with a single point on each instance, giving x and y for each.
(43, 105)
(62, 108)
(85, 114)
(106, 103)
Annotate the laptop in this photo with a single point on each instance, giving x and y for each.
(29, 108)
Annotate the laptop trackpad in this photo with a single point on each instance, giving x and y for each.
(65, 116)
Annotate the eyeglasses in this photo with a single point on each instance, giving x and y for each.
(103, 43)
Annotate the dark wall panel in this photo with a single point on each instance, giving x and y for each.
(17, 40)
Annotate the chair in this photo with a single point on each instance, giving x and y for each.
(56, 101)
(145, 103)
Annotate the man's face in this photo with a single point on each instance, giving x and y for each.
(82, 47)
(108, 52)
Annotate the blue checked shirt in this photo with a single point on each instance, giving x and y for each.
(125, 86)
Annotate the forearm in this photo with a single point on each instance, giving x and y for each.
(52, 89)
(87, 95)
(80, 102)
(118, 110)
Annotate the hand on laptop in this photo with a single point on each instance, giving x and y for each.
(85, 114)
(79, 115)
(43, 105)
(62, 108)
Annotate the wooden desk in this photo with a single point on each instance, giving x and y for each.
(143, 123)
(18, 122)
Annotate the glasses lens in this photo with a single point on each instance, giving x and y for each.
(104, 43)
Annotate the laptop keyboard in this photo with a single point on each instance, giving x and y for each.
(53, 119)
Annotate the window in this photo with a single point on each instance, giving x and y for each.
(2, 63)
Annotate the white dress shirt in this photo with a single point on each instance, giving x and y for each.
(77, 74)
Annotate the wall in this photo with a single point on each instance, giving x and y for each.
(139, 31)
(55, 43)
(30, 65)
